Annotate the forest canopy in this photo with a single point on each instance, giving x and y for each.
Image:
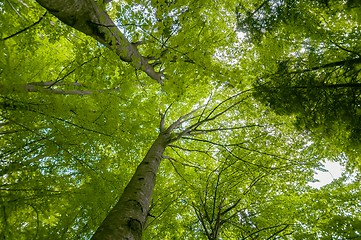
(169, 119)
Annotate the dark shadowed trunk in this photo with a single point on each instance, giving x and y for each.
(127, 218)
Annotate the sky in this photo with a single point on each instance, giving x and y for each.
(334, 171)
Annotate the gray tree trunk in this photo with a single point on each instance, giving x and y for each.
(127, 218)
(90, 18)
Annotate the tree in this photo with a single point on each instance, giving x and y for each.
(316, 78)
(324, 99)
(75, 121)
(127, 218)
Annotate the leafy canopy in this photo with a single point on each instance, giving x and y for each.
(75, 120)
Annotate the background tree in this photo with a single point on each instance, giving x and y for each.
(315, 72)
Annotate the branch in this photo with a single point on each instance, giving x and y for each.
(191, 150)
(32, 87)
(176, 170)
(81, 162)
(184, 164)
(330, 86)
(16, 11)
(190, 129)
(345, 49)
(163, 211)
(90, 18)
(18, 105)
(200, 218)
(72, 124)
(343, 63)
(4, 124)
(52, 83)
(182, 119)
(60, 79)
(279, 231)
(259, 8)
(24, 29)
(204, 131)
(39, 87)
(267, 228)
(162, 118)
(254, 182)
(216, 188)
(229, 151)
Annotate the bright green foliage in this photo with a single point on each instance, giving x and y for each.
(75, 121)
(245, 180)
(332, 213)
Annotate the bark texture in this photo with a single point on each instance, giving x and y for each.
(127, 218)
(90, 18)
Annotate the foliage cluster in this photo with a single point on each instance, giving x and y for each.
(75, 120)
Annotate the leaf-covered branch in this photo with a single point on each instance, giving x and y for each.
(26, 28)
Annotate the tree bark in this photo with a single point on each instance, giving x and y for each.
(90, 18)
(127, 218)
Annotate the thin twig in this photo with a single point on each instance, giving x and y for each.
(24, 29)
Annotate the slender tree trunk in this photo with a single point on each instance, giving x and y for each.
(127, 218)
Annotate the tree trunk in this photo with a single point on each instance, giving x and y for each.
(90, 18)
(127, 218)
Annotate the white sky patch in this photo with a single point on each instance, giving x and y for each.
(241, 35)
(333, 171)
